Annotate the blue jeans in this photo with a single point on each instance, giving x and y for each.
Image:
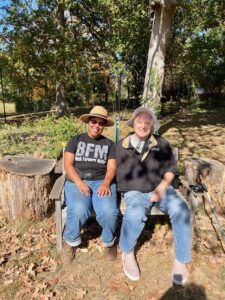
(139, 204)
(80, 207)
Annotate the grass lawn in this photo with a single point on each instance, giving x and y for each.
(10, 108)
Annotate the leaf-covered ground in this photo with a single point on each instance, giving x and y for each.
(30, 267)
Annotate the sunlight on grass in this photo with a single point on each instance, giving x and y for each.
(41, 138)
(9, 108)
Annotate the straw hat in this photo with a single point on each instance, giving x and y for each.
(99, 112)
(156, 124)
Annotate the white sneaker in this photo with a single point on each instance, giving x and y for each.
(130, 266)
(180, 273)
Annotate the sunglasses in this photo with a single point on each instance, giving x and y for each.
(100, 123)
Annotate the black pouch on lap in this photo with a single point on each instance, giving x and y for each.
(90, 175)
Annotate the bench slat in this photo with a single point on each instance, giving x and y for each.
(153, 212)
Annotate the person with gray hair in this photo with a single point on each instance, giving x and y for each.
(146, 168)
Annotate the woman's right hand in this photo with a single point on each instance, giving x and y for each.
(83, 188)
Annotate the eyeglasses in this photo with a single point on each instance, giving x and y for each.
(143, 123)
(100, 123)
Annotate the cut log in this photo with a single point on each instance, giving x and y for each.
(25, 185)
(212, 174)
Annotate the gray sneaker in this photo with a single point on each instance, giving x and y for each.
(67, 253)
(130, 266)
(180, 273)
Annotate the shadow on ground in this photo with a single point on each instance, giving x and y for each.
(189, 292)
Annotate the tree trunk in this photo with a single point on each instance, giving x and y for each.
(61, 103)
(212, 174)
(107, 88)
(25, 185)
(163, 13)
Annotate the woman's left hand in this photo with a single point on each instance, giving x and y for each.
(104, 190)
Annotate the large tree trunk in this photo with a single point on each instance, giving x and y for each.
(163, 13)
(25, 185)
(61, 103)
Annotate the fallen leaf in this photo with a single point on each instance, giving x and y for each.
(206, 244)
(2, 260)
(31, 270)
(54, 281)
(160, 233)
(7, 282)
(216, 259)
(80, 294)
(84, 250)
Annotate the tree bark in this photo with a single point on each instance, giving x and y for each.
(3, 93)
(61, 103)
(117, 90)
(107, 87)
(25, 185)
(211, 173)
(161, 27)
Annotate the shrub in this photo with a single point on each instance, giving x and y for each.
(44, 137)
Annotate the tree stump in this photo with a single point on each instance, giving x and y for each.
(25, 185)
(212, 174)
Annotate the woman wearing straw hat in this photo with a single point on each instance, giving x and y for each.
(90, 167)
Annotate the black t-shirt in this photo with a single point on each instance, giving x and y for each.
(91, 155)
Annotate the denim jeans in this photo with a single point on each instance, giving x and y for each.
(80, 207)
(139, 204)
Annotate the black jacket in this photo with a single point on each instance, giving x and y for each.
(143, 172)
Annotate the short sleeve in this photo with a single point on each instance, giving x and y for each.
(112, 152)
(71, 145)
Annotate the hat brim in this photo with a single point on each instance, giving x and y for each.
(86, 118)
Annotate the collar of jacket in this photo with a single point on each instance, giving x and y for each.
(152, 143)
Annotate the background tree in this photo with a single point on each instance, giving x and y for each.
(46, 46)
(72, 45)
(76, 52)
(163, 11)
(196, 53)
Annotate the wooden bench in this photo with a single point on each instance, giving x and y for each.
(57, 194)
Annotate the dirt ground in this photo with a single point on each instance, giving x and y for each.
(30, 267)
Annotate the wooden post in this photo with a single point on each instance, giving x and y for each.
(116, 129)
(58, 212)
(57, 194)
